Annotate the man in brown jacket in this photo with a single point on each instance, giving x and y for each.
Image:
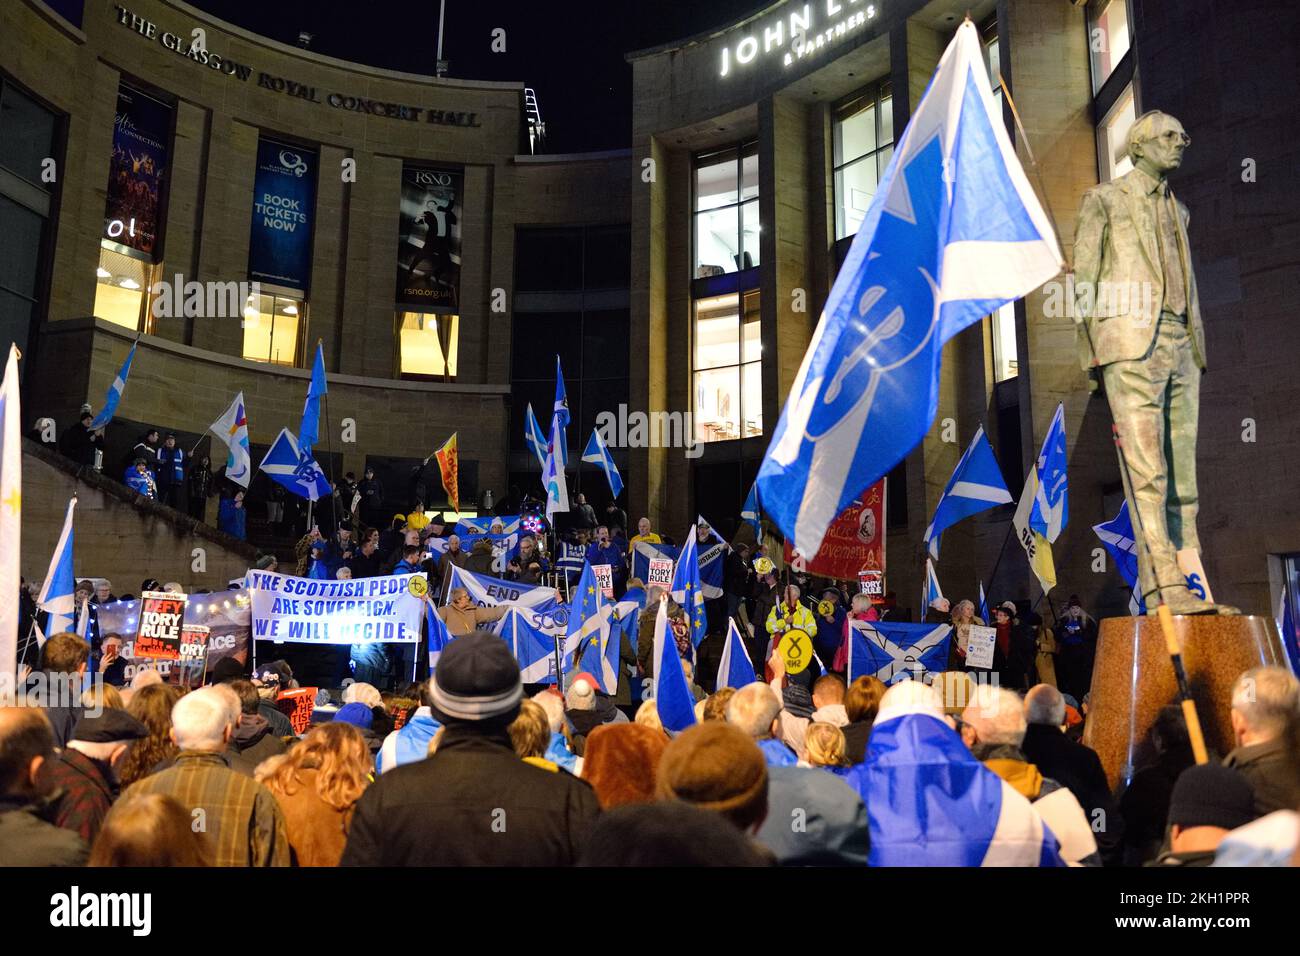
(462, 616)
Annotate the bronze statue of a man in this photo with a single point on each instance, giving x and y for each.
(1139, 325)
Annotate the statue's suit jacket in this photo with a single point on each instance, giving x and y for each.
(1118, 280)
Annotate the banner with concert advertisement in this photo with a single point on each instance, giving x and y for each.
(428, 238)
(137, 171)
(284, 204)
(854, 542)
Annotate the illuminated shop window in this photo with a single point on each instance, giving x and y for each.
(122, 288)
(863, 141)
(1108, 37)
(271, 328)
(1112, 136)
(728, 399)
(428, 344)
(726, 211)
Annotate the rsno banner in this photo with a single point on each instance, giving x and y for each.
(358, 611)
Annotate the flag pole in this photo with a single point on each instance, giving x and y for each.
(1163, 614)
(329, 450)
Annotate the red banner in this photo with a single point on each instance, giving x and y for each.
(298, 705)
(854, 542)
(449, 465)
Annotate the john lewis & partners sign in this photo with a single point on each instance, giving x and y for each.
(798, 35)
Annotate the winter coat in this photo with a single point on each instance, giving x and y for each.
(140, 483)
(1054, 803)
(317, 831)
(481, 558)
(84, 789)
(80, 443)
(171, 466)
(1268, 768)
(1078, 768)
(473, 803)
(834, 830)
(232, 518)
(253, 741)
(461, 622)
(28, 840)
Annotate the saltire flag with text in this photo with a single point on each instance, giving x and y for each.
(892, 651)
(57, 598)
(533, 649)
(735, 669)
(1051, 510)
(449, 466)
(672, 696)
(232, 429)
(976, 485)
(11, 497)
(534, 437)
(953, 233)
(1117, 535)
(309, 430)
(114, 394)
(298, 472)
(596, 453)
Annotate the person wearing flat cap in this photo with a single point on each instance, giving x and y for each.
(85, 771)
(473, 802)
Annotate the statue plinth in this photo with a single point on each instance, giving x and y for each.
(1133, 679)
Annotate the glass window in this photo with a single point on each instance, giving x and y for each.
(428, 344)
(548, 260)
(862, 137)
(728, 400)
(726, 211)
(1108, 37)
(1112, 137)
(26, 135)
(1005, 360)
(122, 288)
(271, 324)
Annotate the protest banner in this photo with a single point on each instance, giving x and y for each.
(605, 578)
(854, 542)
(192, 665)
(224, 614)
(361, 611)
(660, 573)
(158, 632)
(297, 704)
(980, 642)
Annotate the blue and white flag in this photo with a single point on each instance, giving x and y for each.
(597, 454)
(534, 437)
(554, 479)
(11, 515)
(735, 669)
(1286, 626)
(114, 394)
(687, 590)
(672, 696)
(931, 591)
(309, 430)
(1051, 510)
(533, 649)
(954, 232)
(588, 632)
(57, 596)
(560, 415)
(295, 470)
(984, 605)
(483, 525)
(976, 484)
(486, 590)
(1117, 535)
(893, 651)
(232, 429)
(931, 803)
(750, 512)
(436, 633)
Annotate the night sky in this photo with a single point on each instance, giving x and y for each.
(570, 51)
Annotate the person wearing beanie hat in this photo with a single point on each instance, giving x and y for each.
(1208, 801)
(473, 802)
(621, 761)
(716, 766)
(363, 718)
(85, 771)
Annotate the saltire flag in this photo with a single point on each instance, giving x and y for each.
(893, 651)
(984, 605)
(750, 512)
(487, 590)
(483, 525)
(976, 485)
(534, 437)
(1117, 536)
(1051, 511)
(626, 614)
(449, 466)
(672, 697)
(931, 591)
(533, 649)
(58, 598)
(735, 669)
(553, 477)
(687, 589)
(232, 429)
(114, 394)
(1286, 626)
(295, 470)
(436, 634)
(560, 415)
(589, 632)
(953, 233)
(11, 499)
(309, 430)
(596, 453)
(969, 816)
(1038, 549)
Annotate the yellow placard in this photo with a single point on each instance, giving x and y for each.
(418, 585)
(796, 649)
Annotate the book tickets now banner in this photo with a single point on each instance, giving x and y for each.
(284, 202)
(137, 170)
(223, 618)
(854, 542)
(428, 237)
(386, 609)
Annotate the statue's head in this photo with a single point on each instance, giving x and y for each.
(1156, 142)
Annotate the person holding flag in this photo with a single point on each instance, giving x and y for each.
(687, 589)
(58, 590)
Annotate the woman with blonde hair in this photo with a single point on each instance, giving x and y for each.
(150, 829)
(824, 744)
(647, 715)
(530, 735)
(100, 697)
(152, 706)
(963, 616)
(317, 786)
